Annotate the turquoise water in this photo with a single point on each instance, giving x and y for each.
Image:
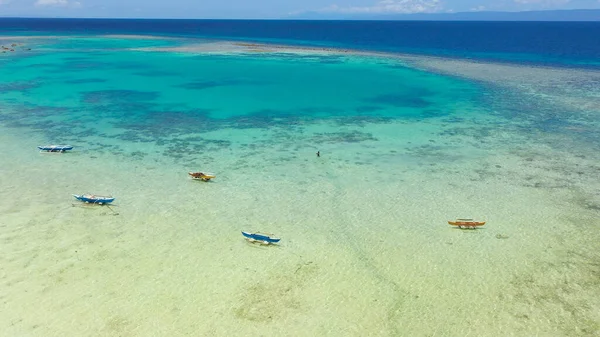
(193, 93)
(366, 250)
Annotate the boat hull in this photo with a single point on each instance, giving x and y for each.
(260, 237)
(466, 224)
(201, 176)
(94, 199)
(55, 148)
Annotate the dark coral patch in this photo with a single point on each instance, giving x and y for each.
(114, 96)
(156, 73)
(188, 119)
(83, 65)
(18, 86)
(158, 125)
(343, 137)
(200, 85)
(86, 80)
(361, 120)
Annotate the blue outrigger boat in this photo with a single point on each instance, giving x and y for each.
(55, 148)
(94, 199)
(262, 238)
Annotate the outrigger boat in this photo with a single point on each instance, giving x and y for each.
(55, 148)
(262, 238)
(466, 223)
(94, 199)
(201, 176)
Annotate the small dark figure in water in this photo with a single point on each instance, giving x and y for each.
(318, 153)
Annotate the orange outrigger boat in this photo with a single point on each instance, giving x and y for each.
(466, 223)
(201, 176)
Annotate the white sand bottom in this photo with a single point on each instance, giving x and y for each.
(364, 251)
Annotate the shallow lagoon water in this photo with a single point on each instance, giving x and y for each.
(406, 145)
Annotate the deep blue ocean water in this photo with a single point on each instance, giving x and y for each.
(552, 43)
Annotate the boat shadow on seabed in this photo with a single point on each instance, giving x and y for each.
(97, 206)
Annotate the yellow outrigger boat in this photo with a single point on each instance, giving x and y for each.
(466, 223)
(202, 176)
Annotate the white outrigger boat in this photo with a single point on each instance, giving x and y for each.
(55, 148)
